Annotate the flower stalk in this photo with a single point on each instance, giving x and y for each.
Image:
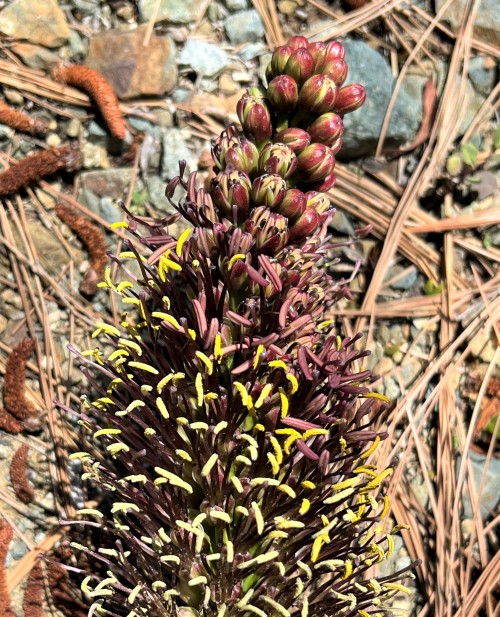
(232, 429)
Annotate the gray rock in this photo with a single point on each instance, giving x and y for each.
(156, 191)
(86, 6)
(173, 11)
(362, 127)
(17, 549)
(482, 78)
(204, 58)
(405, 282)
(78, 46)
(38, 21)
(490, 496)
(35, 57)
(101, 190)
(244, 27)
(486, 25)
(175, 148)
(133, 69)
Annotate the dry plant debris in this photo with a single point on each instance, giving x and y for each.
(34, 593)
(38, 165)
(20, 121)
(6, 535)
(19, 475)
(14, 397)
(9, 424)
(101, 92)
(93, 238)
(62, 592)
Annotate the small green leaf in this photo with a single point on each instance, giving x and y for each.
(469, 154)
(454, 165)
(432, 288)
(487, 240)
(496, 137)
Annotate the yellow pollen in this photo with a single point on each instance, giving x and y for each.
(143, 367)
(206, 361)
(234, 259)
(293, 380)
(181, 241)
(258, 355)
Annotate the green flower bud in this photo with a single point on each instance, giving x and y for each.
(315, 163)
(296, 139)
(326, 129)
(306, 224)
(336, 69)
(297, 42)
(229, 189)
(279, 59)
(300, 65)
(293, 204)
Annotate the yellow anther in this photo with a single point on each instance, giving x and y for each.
(258, 356)
(131, 255)
(378, 480)
(305, 506)
(116, 354)
(345, 484)
(284, 403)
(371, 449)
(143, 367)
(91, 512)
(288, 490)
(237, 484)
(317, 546)
(198, 382)
(377, 395)
(168, 318)
(308, 484)
(266, 390)
(181, 241)
(347, 569)
(173, 479)
(198, 580)
(207, 467)
(116, 448)
(312, 432)
(185, 456)
(206, 361)
(133, 594)
(106, 328)
(293, 380)
(278, 364)
(107, 431)
(218, 348)
(259, 519)
(242, 392)
(162, 408)
(119, 225)
(274, 463)
(234, 259)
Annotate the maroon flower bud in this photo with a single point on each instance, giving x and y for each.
(334, 49)
(268, 190)
(335, 147)
(296, 42)
(279, 59)
(231, 188)
(318, 94)
(305, 225)
(244, 156)
(269, 229)
(293, 205)
(349, 98)
(254, 116)
(326, 129)
(283, 93)
(278, 159)
(296, 139)
(315, 163)
(300, 65)
(226, 140)
(336, 69)
(326, 184)
(318, 52)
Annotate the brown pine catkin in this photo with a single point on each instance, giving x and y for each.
(14, 397)
(38, 165)
(33, 595)
(100, 90)
(5, 539)
(21, 122)
(93, 238)
(19, 475)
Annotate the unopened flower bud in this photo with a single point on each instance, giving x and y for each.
(268, 190)
(336, 69)
(254, 116)
(283, 93)
(279, 59)
(318, 52)
(296, 42)
(326, 129)
(318, 94)
(231, 188)
(244, 156)
(350, 98)
(300, 65)
(318, 202)
(326, 184)
(278, 159)
(334, 49)
(306, 224)
(315, 163)
(293, 205)
(296, 139)
(335, 147)
(269, 229)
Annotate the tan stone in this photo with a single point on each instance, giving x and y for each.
(38, 21)
(133, 69)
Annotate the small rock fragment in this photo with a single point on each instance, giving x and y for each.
(38, 21)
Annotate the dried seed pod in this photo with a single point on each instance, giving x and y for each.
(101, 92)
(18, 475)
(93, 237)
(5, 539)
(33, 595)
(9, 424)
(20, 121)
(38, 165)
(14, 398)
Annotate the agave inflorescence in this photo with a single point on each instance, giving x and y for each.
(234, 431)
